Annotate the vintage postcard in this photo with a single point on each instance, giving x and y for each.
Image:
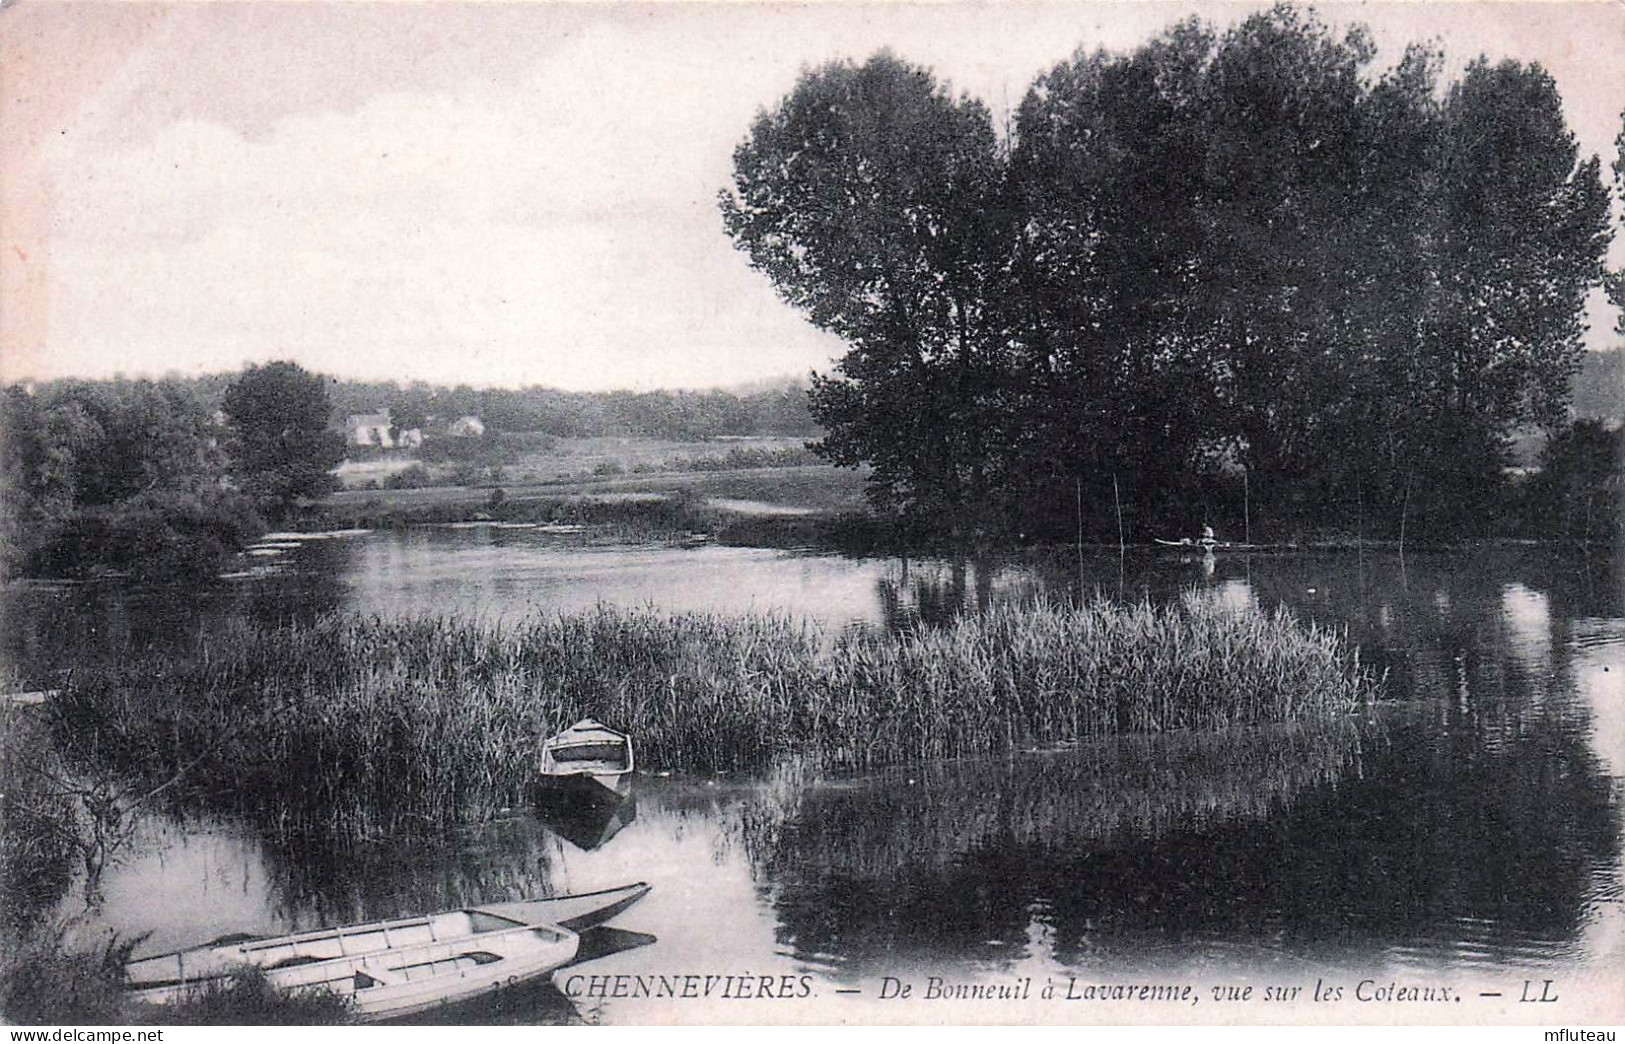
(1061, 513)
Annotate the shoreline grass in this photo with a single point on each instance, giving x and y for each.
(39, 823)
(44, 981)
(354, 727)
(640, 517)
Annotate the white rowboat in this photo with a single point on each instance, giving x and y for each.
(403, 979)
(588, 751)
(395, 967)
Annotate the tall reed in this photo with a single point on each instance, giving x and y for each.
(357, 726)
(40, 823)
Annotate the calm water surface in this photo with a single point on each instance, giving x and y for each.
(1470, 828)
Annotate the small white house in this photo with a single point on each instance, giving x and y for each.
(368, 429)
(469, 427)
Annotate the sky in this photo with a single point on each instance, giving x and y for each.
(503, 193)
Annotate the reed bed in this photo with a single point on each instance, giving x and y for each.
(357, 727)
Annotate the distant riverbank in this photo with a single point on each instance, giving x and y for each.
(802, 506)
(812, 505)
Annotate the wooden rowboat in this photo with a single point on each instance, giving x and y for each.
(490, 952)
(576, 912)
(396, 967)
(1187, 544)
(588, 752)
(1214, 545)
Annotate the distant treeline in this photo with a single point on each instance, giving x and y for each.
(678, 415)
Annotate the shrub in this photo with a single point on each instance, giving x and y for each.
(413, 477)
(156, 535)
(1580, 491)
(486, 451)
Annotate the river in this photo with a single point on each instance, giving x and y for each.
(1466, 830)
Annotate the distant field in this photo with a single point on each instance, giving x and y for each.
(567, 459)
(582, 457)
(814, 487)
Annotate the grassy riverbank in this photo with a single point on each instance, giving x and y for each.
(810, 488)
(636, 518)
(355, 728)
(537, 458)
(801, 506)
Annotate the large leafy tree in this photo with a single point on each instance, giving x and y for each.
(1249, 241)
(1616, 280)
(1282, 205)
(1580, 492)
(407, 412)
(1115, 372)
(1218, 250)
(1521, 228)
(1387, 282)
(870, 196)
(1207, 223)
(281, 447)
(1517, 234)
(90, 445)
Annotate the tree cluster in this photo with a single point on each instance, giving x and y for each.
(280, 444)
(1222, 273)
(122, 475)
(146, 479)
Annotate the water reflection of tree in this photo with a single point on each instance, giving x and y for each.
(62, 819)
(950, 861)
(45, 630)
(317, 883)
(1432, 620)
(1585, 582)
(1321, 845)
(1442, 839)
(933, 593)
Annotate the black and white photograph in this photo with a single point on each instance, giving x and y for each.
(1101, 513)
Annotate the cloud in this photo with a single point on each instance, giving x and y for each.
(501, 194)
(558, 231)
